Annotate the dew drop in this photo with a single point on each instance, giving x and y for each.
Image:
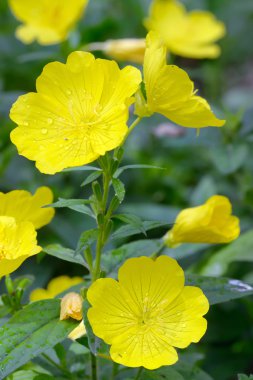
(26, 123)
(44, 131)
(68, 92)
(50, 121)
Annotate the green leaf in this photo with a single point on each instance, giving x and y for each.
(161, 374)
(220, 289)
(130, 230)
(78, 205)
(31, 331)
(86, 239)
(93, 341)
(123, 168)
(245, 377)
(92, 177)
(27, 375)
(113, 258)
(240, 250)
(133, 220)
(119, 188)
(4, 311)
(63, 253)
(81, 168)
(229, 158)
(191, 371)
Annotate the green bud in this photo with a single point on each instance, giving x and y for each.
(97, 190)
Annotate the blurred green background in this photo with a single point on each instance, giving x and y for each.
(219, 161)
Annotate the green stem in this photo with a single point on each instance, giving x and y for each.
(131, 128)
(138, 375)
(93, 367)
(100, 241)
(159, 250)
(115, 367)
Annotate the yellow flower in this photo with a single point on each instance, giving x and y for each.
(147, 313)
(209, 223)
(125, 49)
(72, 307)
(56, 286)
(47, 21)
(170, 91)
(190, 34)
(24, 206)
(79, 112)
(17, 243)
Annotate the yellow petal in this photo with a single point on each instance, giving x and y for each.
(24, 206)
(209, 223)
(17, 243)
(190, 34)
(39, 294)
(79, 112)
(78, 332)
(61, 283)
(170, 91)
(47, 21)
(182, 322)
(135, 314)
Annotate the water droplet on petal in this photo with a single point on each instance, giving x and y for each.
(50, 121)
(26, 123)
(44, 131)
(68, 92)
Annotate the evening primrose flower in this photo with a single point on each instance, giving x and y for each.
(79, 112)
(17, 243)
(170, 91)
(56, 286)
(191, 35)
(24, 206)
(125, 49)
(212, 222)
(147, 312)
(47, 21)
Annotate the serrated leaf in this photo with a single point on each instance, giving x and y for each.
(240, 250)
(130, 230)
(86, 239)
(126, 167)
(31, 331)
(63, 253)
(220, 289)
(92, 177)
(119, 189)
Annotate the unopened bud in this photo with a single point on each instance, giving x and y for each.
(71, 306)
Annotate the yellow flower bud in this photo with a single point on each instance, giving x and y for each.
(71, 307)
(127, 49)
(208, 223)
(78, 332)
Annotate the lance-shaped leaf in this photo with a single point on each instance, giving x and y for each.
(220, 289)
(31, 331)
(66, 254)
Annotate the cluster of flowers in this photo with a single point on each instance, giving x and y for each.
(80, 112)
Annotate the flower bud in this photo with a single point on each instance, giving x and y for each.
(71, 306)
